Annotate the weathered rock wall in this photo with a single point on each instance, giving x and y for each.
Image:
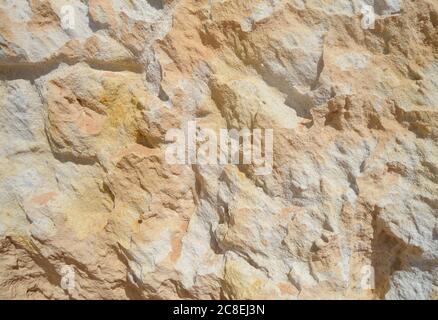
(350, 209)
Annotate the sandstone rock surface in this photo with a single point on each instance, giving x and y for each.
(349, 211)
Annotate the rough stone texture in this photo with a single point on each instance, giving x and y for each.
(84, 183)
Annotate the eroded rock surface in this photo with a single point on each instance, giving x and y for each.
(350, 209)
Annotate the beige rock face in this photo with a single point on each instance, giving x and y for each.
(91, 209)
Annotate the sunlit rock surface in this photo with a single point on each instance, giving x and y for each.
(350, 209)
